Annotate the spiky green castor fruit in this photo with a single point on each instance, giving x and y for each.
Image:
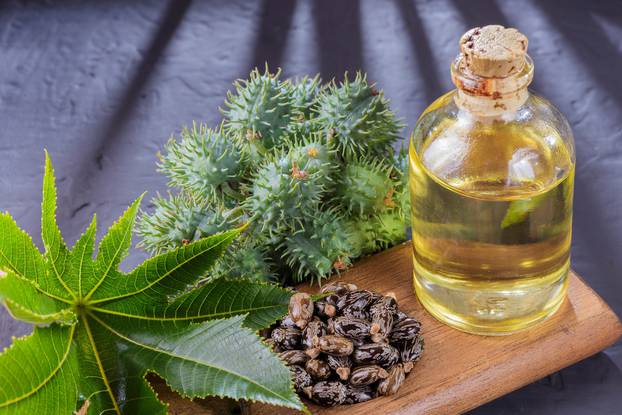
(319, 248)
(361, 235)
(365, 186)
(304, 127)
(178, 220)
(244, 260)
(304, 93)
(389, 228)
(258, 112)
(203, 161)
(280, 198)
(402, 192)
(356, 116)
(310, 156)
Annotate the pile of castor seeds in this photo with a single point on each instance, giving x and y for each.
(349, 347)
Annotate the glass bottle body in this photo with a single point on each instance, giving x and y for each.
(491, 213)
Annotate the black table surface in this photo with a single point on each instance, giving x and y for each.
(102, 86)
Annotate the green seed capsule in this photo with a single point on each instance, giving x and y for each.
(334, 345)
(329, 393)
(366, 375)
(392, 383)
(301, 309)
(318, 369)
(406, 329)
(286, 339)
(352, 328)
(294, 357)
(382, 354)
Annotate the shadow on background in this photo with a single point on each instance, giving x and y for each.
(577, 25)
(111, 127)
(421, 47)
(274, 24)
(338, 37)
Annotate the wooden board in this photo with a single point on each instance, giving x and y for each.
(461, 371)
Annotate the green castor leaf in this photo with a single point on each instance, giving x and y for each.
(319, 248)
(243, 260)
(356, 117)
(258, 112)
(203, 161)
(281, 198)
(365, 186)
(106, 330)
(177, 220)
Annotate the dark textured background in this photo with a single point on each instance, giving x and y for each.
(102, 85)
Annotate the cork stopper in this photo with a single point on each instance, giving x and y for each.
(493, 51)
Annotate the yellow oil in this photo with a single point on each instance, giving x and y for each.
(491, 220)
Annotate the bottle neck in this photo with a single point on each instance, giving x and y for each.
(491, 97)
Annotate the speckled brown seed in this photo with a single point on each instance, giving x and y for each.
(329, 393)
(300, 377)
(294, 357)
(286, 338)
(366, 375)
(381, 354)
(352, 328)
(318, 369)
(392, 383)
(315, 328)
(356, 394)
(405, 329)
(341, 365)
(335, 345)
(301, 309)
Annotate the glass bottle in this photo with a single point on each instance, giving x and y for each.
(491, 176)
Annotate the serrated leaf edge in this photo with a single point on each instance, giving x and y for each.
(181, 393)
(48, 378)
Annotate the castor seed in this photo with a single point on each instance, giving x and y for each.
(352, 328)
(358, 394)
(318, 369)
(392, 383)
(366, 375)
(382, 354)
(301, 309)
(328, 393)
(407, 328)
(294, 357)
(340, 364)
(335, 345)
(286, 339)
(300, 377)
(315, 328)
